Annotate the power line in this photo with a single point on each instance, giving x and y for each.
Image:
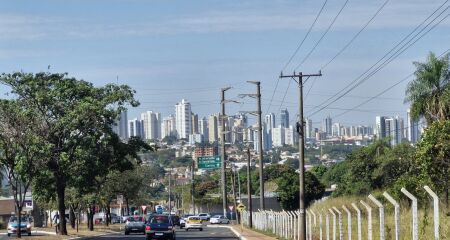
(382, 92)
(295, 52)
(403, 48)
(355, 36)
(304, 38)
(323, 36)
(285, 93)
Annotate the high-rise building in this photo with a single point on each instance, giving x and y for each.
(151, 125)
(380, 127)
(309, 128)
(284, 118)
(120, 127)
(168, 127)
(394, 130)
(327, 126)
(195, 128)
(336, 130)
(135, 128)
(183, 117)
(203, 128)
(412, 133)
(278, 137)
(213, 129)
(269, 119)
(290, 136)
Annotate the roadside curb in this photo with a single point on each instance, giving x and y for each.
(237, 233)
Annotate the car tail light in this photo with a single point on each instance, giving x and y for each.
(148, 228)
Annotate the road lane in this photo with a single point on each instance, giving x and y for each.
(208, 233)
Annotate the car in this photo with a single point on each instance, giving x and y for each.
(135, 224)
(25, 225)
(194, 222)
(204, 216)
(183, 220)
(218, 219)
(160, 227)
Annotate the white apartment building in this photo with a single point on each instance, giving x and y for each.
(183, 116)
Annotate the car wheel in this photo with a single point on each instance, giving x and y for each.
(126, 233)
(9, 234)
(201, 229)
(29, 234)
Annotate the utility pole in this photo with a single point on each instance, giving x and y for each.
(192, 187)
(249, 190)
(258, 113)
(301, 147)
(170, 193)
(233, 180)
(222, 143)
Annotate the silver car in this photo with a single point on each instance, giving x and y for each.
(135, 224)
(25, 225)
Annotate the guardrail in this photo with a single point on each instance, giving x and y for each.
(285, 224)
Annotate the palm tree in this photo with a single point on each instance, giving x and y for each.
(429, 92)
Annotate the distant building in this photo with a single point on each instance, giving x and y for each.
(213, 129)
(394, 130)
(327, 126)
(183, 117)
(284, 118)
(203, 128)
(152, 125)
(309, 131)
(278, 136)
(121, 125)
(135, 128)
(168, 127)
(195, 127)
(195, 138)
(412, 127)
(380, 127)
(290, 137)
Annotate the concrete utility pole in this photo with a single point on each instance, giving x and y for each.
(233, 180)
(170, 192)
(249, 190)
(222, 143)
(192, 187)
(258, 113)
(301, 147)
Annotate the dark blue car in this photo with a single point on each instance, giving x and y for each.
(160, 227)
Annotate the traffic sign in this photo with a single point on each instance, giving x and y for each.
(143, 208)
(231, 207)
(240, 207)
(209, 162)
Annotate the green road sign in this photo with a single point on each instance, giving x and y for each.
(209, 162)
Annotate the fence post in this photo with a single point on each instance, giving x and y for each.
(334, 223)
(309, 224)
(359, 220)
(349, 222)
(396, 214)
(341, 234)
(369, 219)
(320, 225)
(435, 211)
(381, 210)
(327, 222)
(415, 229)
(291, 224)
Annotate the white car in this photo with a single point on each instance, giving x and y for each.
(194, 222)
(218, 219)
(204, 216)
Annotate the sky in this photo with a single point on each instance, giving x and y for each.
(170, 50)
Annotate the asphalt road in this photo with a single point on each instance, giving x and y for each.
(208, 233)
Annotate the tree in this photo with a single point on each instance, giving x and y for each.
(75, 116)
(433, 157)
(429, 92)
(20, 149)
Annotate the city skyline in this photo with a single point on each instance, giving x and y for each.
(225, 44)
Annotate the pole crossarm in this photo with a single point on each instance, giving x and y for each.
(254, 113)
(252, 95)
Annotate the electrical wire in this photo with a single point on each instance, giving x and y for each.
(323, 35)
(403, 48)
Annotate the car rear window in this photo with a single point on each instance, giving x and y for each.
(160, 219)
(194, 218)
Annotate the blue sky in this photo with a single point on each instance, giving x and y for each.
(169, 50)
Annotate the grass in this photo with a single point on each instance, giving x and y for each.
(425, 219)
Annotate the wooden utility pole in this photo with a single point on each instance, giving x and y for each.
(301, 147)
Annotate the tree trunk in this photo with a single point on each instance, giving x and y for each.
(19, 213)
(91, 214)
(72, 217)
(128, 207)
(108, 214)
(60, 189)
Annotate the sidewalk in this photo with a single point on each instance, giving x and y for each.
(247, 234)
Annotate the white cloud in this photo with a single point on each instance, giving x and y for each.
(395, 15)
